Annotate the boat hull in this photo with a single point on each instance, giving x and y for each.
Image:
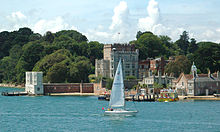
(167, 99)
(120, 112)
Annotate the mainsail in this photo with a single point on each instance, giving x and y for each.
(117, 94)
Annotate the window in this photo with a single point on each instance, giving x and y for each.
(127, 66)
(127, 73)
(182, 83)
(190, 91)
(133, 66)
(38, 89)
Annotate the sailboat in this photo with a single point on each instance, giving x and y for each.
(117, 99)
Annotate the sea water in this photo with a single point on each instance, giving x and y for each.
(84, 113)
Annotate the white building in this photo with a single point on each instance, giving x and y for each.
(34, 84)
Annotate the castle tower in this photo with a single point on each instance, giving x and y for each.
(34, 83)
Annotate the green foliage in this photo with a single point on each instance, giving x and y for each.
(72, 34)
(9, 39)
(207, 57)
(181, 64)
(139, 33)
(149, 45)
(130, 77)
(23, 50)
(156, 85)
(192, 46)
(94, 79)
(57, 73)
(109, 83)
(80, 70)
(183, 42)
(49, 60)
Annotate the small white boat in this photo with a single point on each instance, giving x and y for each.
(117, 98)
(120, 112)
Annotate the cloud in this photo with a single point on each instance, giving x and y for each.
(152, 20)
(120, 16)
(218, 30)
(18, 20)
(54, 25)
(120, 30)
(16, 16)
(210, 35)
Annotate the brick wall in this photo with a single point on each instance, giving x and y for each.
(68, 88)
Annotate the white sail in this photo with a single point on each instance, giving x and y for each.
(117, 95)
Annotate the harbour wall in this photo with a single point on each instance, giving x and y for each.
(68, 88)
(12, 85)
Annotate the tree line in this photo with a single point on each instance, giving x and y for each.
(68, 56)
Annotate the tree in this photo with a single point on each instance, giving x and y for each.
(48, 61)
(72, 34)
(192, 46)
(149, 45)
(139, 33)
(49, 37)
(207, 57)
(95, 51)
(179, 65)
(57, 73)
(170, 47)
(7, 66)
(183, 42)
(80, 70)
(109, 83)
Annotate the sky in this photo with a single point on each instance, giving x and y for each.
(115, 21)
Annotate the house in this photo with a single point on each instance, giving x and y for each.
(153, 65)
(197, 84)
(159, 79)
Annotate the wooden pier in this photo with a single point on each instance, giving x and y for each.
(138, 98)
(14, 93)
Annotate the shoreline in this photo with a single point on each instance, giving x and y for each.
(11, 85)
(72, 94)
(211, 97)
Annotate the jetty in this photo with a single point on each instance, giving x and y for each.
(14, 93)
(138, 98)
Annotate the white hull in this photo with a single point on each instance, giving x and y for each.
(120, 112)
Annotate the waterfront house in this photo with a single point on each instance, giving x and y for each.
(197, 84)
(150, 79)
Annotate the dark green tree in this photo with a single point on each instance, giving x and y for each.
(57, 73)
(139, 33)
(179, 65)
(207, 56)
(149, 45)
(192, 46)
(183, 42)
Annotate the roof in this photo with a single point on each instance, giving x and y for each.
(200, 77)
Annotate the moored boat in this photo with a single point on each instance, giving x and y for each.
(168, 95)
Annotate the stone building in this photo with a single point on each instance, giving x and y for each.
(197, 84)
(112, 53)
(159, 79)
